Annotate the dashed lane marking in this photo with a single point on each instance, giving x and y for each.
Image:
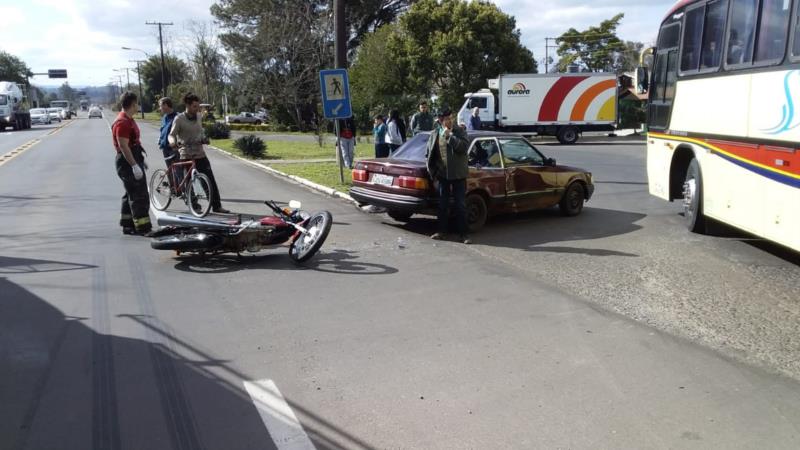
(27, 146)
(278, 417)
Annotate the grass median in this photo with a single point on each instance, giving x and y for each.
(324, 173)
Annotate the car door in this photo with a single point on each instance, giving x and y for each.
(530, 184)
(486, 172)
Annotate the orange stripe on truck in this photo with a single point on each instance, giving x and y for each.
(586, 99)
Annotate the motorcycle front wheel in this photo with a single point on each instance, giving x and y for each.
(306, 245)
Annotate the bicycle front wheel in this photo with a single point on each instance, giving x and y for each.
(160, 190)
(198, 195)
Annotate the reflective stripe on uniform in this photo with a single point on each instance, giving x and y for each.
(141, 221)
(125, 217)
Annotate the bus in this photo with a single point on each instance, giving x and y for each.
(724, 115)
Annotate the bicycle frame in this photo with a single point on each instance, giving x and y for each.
(187, 167)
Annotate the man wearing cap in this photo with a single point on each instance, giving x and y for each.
(448, 165)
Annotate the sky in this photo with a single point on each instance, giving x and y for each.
(85, 36)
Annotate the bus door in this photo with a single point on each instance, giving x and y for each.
(665, 76)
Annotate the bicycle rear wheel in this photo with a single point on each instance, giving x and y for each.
(198, 195)
(160, 190)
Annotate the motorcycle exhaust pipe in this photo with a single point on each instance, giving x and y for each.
(190, 222)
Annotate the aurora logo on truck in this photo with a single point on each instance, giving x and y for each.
(519, 89)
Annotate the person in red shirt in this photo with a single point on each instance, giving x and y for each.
(135, 211)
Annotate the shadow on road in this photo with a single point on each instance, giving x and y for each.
(532, 231)
(336, 261)
(76, 386)
(721, 230)
(9, 265)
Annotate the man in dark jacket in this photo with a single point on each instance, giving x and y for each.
(167, 117)
(448, 165)
(423, 120)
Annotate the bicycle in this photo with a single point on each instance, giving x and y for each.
(192, 186)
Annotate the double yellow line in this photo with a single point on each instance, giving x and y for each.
(27, 146)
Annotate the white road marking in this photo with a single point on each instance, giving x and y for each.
(278, 417)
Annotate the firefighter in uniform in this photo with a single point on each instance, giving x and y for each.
(135, 212)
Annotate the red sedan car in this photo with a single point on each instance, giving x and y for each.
(507, 175)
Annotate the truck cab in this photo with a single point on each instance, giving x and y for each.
(486, 103)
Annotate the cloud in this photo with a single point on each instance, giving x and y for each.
(85, 36)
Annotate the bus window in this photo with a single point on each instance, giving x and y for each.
(670, 36)
(714, 30)
(741, 32)
(772, 34)
(672, 76)
(692, 34)
(796, 40)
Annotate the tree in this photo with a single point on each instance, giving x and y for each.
(66, 92)
(207, 63)
(366, 16)
(279, 47)
(452, 47)
(595, 49)
(13, 69)
(177, 70)
(378, 83)
(627, 60)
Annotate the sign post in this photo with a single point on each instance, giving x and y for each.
(335, 88)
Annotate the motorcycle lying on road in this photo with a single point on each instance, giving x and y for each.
(186, 234)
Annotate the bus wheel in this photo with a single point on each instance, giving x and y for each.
(568, 135)
(693, 199)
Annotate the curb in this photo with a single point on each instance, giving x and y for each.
(303, 181)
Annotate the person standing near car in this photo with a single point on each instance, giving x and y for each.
(422, 120)
(448, 165)
(167, 117)
(379, 135)
(187, 136)
(135, 211)
(474, 123)
(393, 138)
(347, 140)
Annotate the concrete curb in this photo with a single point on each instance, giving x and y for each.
(278, 173)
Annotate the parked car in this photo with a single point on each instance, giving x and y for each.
(244, 117)
(506, 175)
(94, 111)
(62, 114)
(41, 116)
(54, 114)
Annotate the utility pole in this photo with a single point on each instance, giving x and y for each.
(139, 74)
(161, 43)
(340, 61)
(547, 47)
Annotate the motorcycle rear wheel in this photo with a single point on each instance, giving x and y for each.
(306, 245)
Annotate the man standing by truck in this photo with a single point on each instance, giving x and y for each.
(423, 120)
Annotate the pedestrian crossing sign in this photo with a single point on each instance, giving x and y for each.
(335, 88)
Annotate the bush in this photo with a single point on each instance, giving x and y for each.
(281, 128)
(249, 127)
(217, 130)
(251, 146)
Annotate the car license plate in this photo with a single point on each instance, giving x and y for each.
(384, 180)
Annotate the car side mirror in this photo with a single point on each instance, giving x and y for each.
(550, 162)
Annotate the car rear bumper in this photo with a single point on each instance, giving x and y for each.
(395, 202)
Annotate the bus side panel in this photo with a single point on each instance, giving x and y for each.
(717, 105)
(659, 158)
(782, 214)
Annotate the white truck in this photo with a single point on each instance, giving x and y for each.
(69, 112)
(14, 111)
(562, 105)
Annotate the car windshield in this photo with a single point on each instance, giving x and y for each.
(517, 151)
(414, 149)
(37, 111)
(3, 100)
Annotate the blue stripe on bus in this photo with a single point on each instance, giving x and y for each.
(775, 176)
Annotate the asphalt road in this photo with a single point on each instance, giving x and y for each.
(510, 343)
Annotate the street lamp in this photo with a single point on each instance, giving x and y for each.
(138, 50)
(139, 74)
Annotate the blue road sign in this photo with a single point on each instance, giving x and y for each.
(335, 93)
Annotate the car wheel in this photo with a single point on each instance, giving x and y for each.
(693, 198)
(400, 216)
(572, 202)
(477, 212)
(567, 135)
(258, 122)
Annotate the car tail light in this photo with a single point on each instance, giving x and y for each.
(360, 175)
(413, 183)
